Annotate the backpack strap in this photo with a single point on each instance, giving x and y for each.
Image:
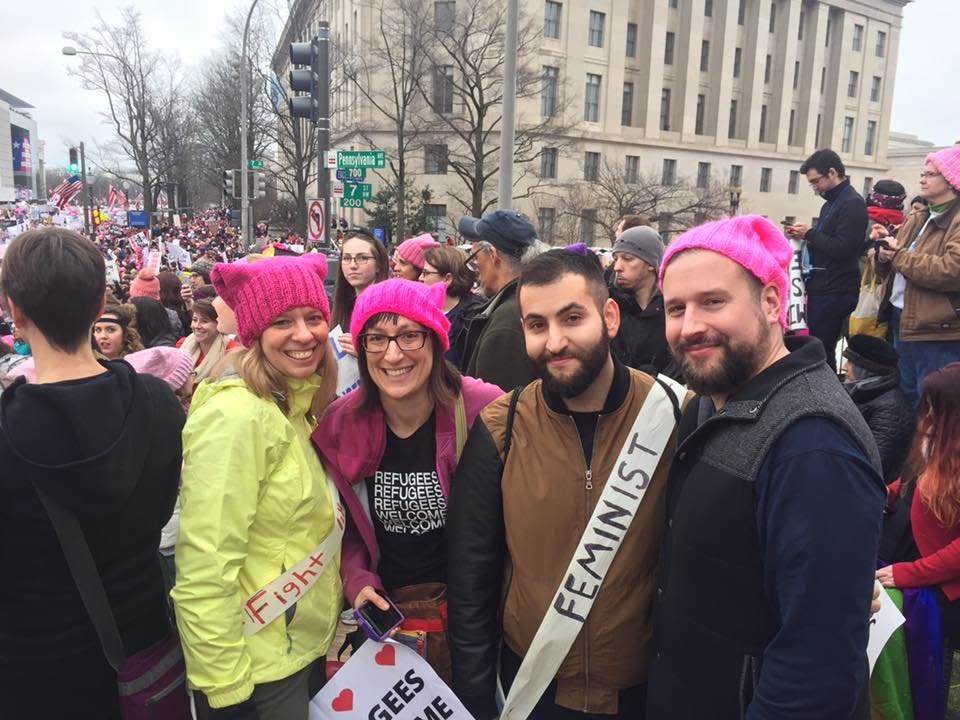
(511, 414)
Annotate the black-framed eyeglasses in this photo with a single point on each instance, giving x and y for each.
(471, 261)
(430, 272)
(358, 259)
(407, 341)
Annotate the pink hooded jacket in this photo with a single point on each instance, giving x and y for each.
(352, 446)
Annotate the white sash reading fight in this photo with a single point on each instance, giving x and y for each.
(616, 508)
(272, 600)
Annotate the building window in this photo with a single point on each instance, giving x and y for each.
(792, 126)
(875, 89)
(631, 168)
(551, 19)
(444, 15)
(591, 166)
(737, 61)
(436, 217)
(435, 160)
(742, 12)
(665, 109)
(548, 163)
(669, 173)
(765, 176)
(881, 43)
(823, 79)
(443, 88)
(796, 75)
(595, 34)
(857, 38)
(826, 40)
(763, 123)
(794, 187)
(773, 17)
(867, 186)
(631, 39)
(767, 69)
(705, 56)
(871, 137)
(708, 8)
(588, 226)
(701, 113)
(546, 219)
(852, 83)
(591, 105)
(703, 175)
(816, 135)
(732, 128)
(847, 140)
(548, 91)
(803, 20)
(626, 111)
(736, 175)
(668, 49)
(673, 4)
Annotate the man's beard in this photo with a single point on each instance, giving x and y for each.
(592, 361)
(738, 363)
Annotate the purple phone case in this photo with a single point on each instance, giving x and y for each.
(370, 630)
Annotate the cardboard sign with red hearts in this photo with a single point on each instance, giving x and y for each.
(386, 681)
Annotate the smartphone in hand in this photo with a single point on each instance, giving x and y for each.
(377, 623)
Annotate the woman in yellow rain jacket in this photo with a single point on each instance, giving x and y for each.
(258, 589)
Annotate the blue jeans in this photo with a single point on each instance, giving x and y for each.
(919, 358)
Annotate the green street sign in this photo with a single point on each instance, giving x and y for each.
(254, 164)
(374, 159)
(346, 202)
(357, 191)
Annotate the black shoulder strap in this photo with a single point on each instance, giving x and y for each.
(511, 414)
(677, 413)
(85, 575)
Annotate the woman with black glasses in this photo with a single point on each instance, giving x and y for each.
(363, 262)
(392, 447)
(449, 266)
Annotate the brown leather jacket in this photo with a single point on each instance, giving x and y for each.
(931, 301)
(543, 499)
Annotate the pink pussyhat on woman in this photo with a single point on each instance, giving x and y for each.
(413, 300)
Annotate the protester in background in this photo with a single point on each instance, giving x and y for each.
(631, 221)
(115, 334)
(871, 378)
(885, 204)
(918, 204)
(400, 428)
(449, 266)
(831, 250)
(153, 323)
(641, 342)
(407, 259)
(363, 262)
(170, 298)
(102, 444)
(921, 294)
(205, 345)
(247, 454)
(493, 348)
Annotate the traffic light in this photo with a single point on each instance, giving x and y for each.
(305, 78)
(229, 182)
(74, 166)
(98, 216)
(261, 185)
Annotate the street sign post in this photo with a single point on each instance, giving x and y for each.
(316, 227)
(375, 159)
(351, 175)
(255, 164)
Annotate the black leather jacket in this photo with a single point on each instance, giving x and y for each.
(890, 417)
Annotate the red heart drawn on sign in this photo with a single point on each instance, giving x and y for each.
(344, 701)
(387, 656)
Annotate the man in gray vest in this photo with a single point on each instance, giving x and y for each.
(774, 500)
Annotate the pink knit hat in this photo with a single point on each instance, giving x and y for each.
(751, 241)
(947, 161)
(259, 292)
(146, 284)
(171, 365)
(413, 300)
(412, 250)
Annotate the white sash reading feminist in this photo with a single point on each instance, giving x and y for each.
(616, 508)
(272, 600)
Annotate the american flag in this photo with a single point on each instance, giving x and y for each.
(66, 191)
(115, 197)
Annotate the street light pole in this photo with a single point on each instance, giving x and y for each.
(86, 193)
(508, 126)
(244, 83)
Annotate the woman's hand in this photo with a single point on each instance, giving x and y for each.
(346, 344)
(889, 250)
(186, 294)
(369, 594)
(885, 576)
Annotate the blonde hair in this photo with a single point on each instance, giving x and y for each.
(266, 382)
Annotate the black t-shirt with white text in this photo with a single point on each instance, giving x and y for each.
(409, 510)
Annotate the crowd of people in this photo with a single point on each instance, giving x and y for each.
(618, 489)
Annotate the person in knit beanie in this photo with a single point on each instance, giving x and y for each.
(145, 284)
(408, 257)
(258, 508)
(922, 268)
(403, 427)
(775, 487)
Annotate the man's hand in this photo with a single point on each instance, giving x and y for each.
(878, 231)
(885, 578)
(798, 231)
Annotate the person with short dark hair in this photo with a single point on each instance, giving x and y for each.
(873, 381)
(449, 266)
(631, 221)
(831, 249)
(153, 323)
(103, 444)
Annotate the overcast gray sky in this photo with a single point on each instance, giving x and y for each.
(32, 68)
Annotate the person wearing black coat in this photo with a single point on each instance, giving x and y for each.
(874, 386)
(832, 249)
